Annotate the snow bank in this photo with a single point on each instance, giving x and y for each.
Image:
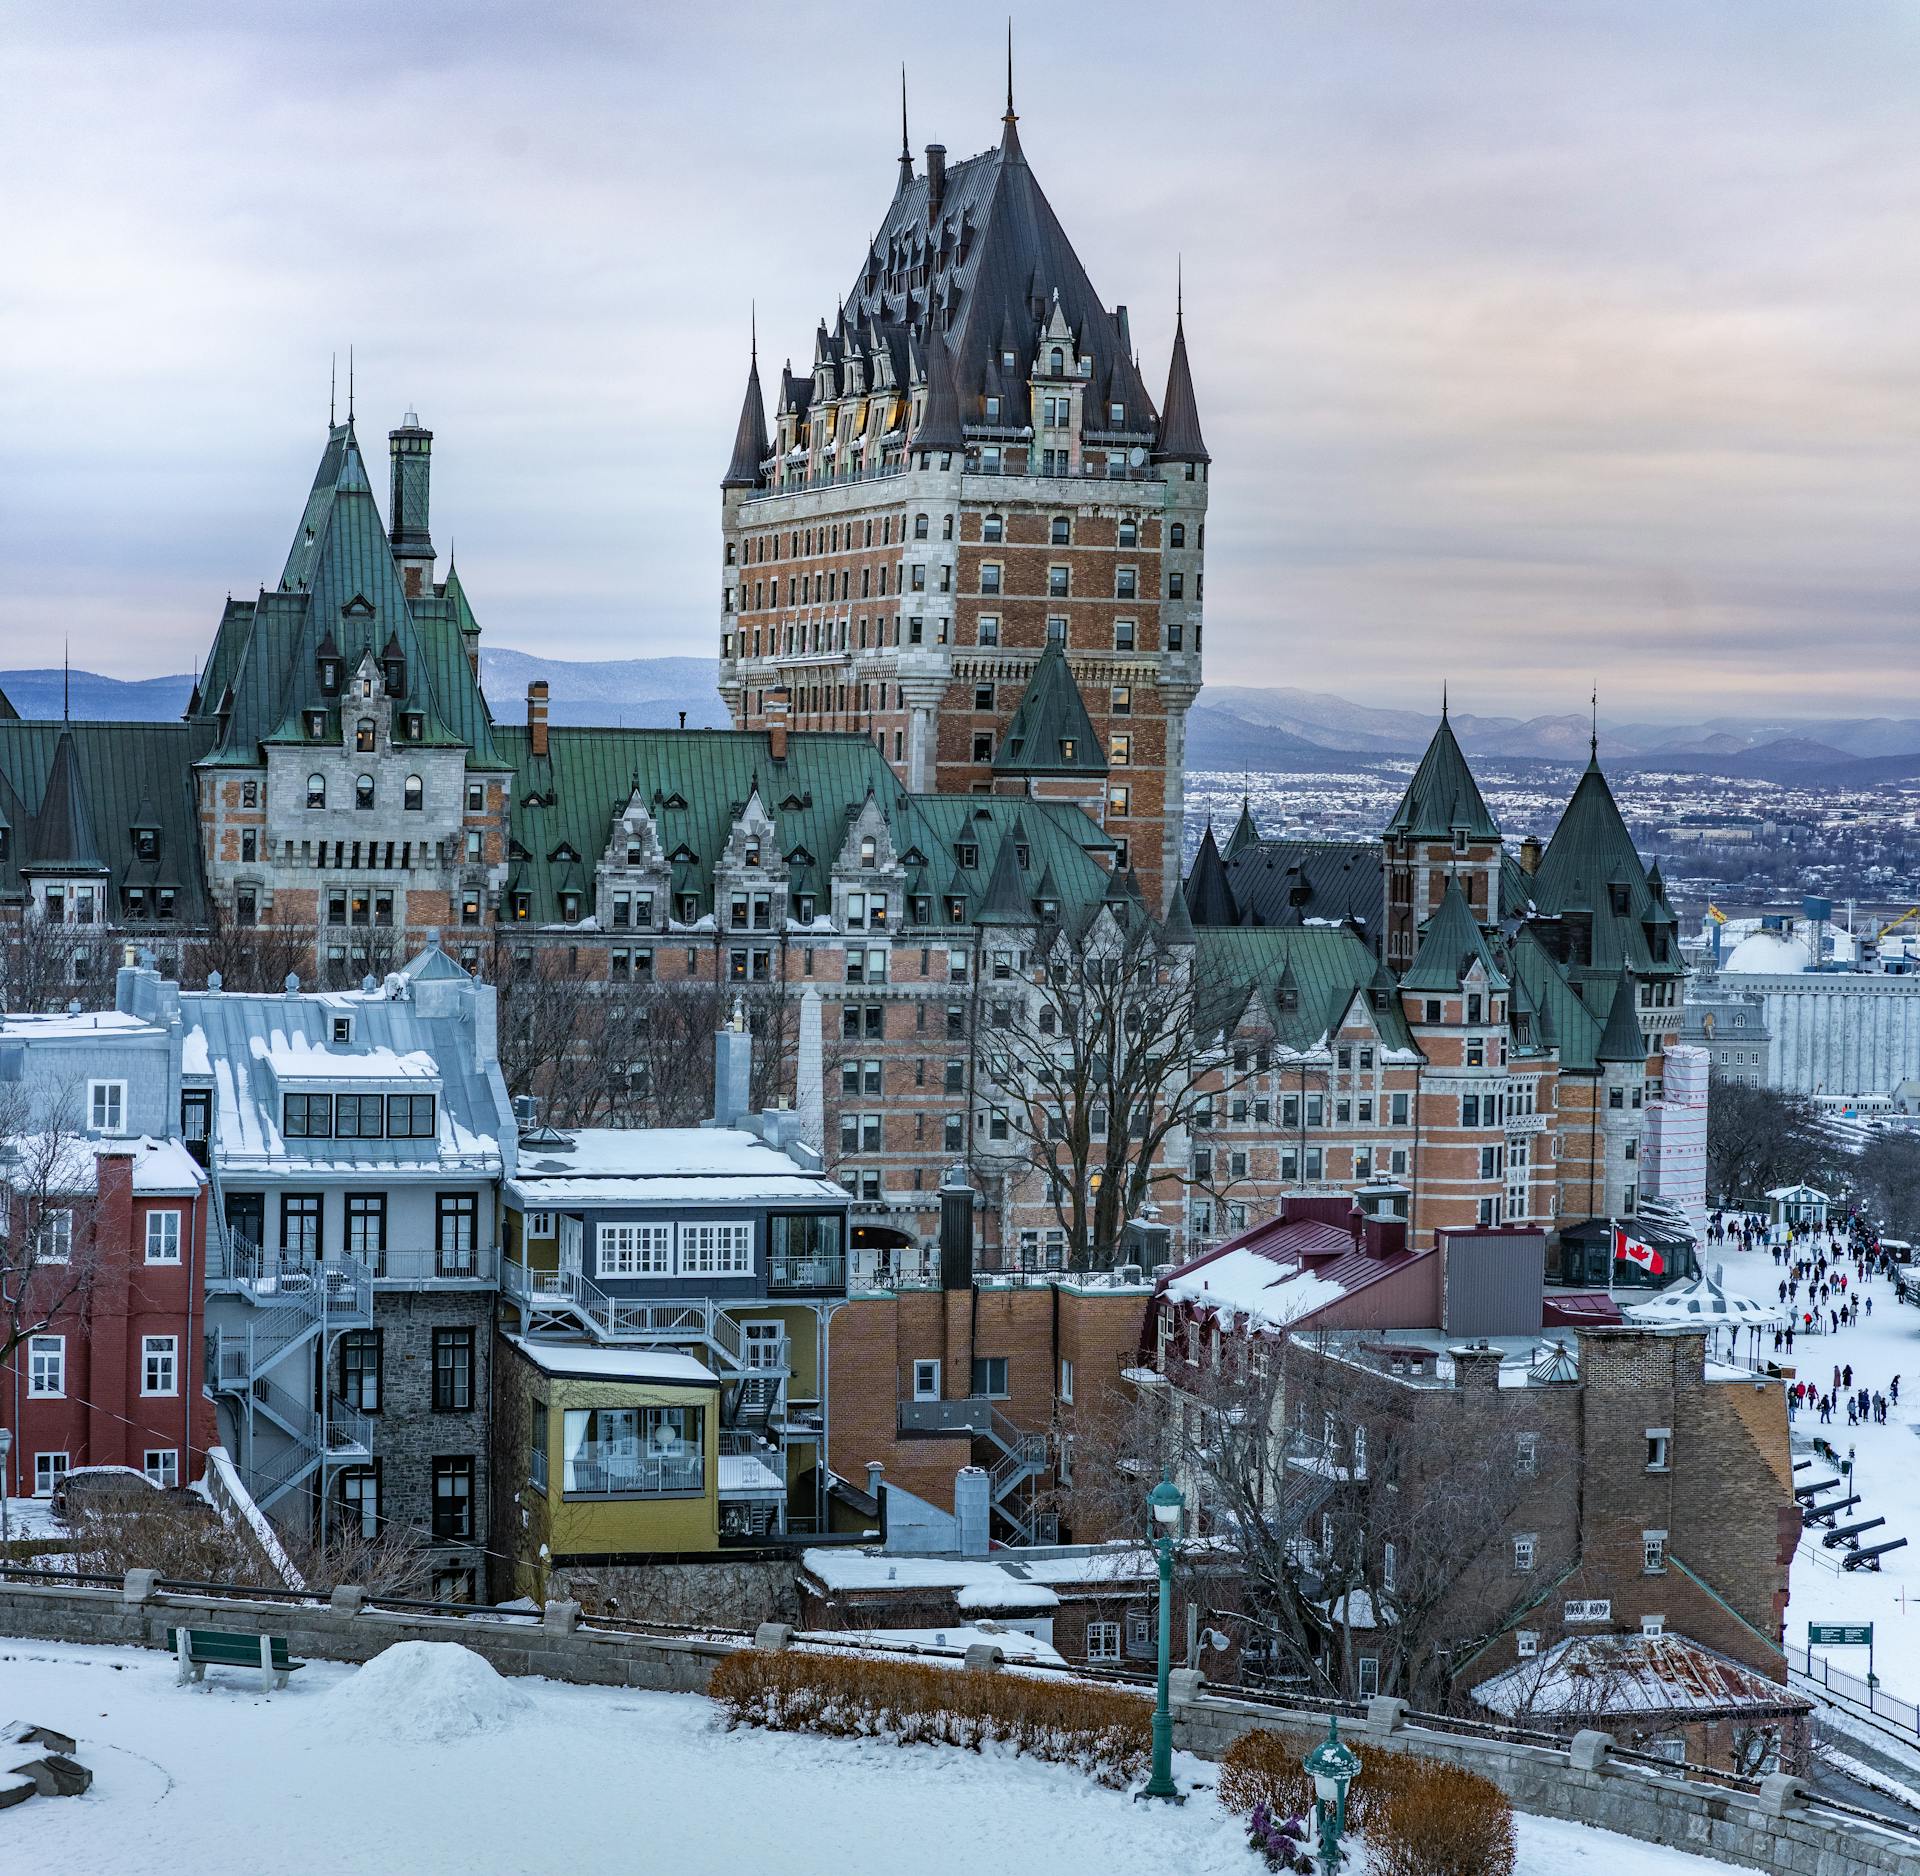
(418, 1691)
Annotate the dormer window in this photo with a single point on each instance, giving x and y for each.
(395, 673)
(993, 410)
(366, 687)
(146, 843)
(363, 736)
(316, 724)
(966, 854)
(869, 850)
(752, 853)
(1117, 413)
(329, 675)
(413, 726)
(1006, 361)
(1057, 362)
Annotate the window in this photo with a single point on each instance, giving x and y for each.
(992, 528)
(356, 1116)
(1060, 531)
(716, 1250)
(161, 1464)
(48, 1470)
(1526, 1454)
(363, 791)
(163, 1237)
(300, 1223)
(1389, 1567)
(1103, 1641)
(1120, 749)
(360, 1369)
(990, 1376)
(308, 1117)
(1659, 1440)
(1526, 1643)
(453, 1499)
(926, 1380)
(107, 1106)
(1523, 1549)
(1123, 635)
(990, 577)
(1126, 583)
(1653, 1552)
(1368, 1682)
(456, 1233)
(633, 1452)
(160, 1364)
(629, 1250)
(413, 794)
(409, 1116)
(367, 1223)
(47, 1367)
(316, 791)
(1066, 1382)
(360, 1499)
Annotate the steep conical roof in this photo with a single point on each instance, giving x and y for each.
(1209, 898)
(1180, 439)
(1245, 832)
(8, 714)
(1449, 945)
(1591, 865)
(1005, 901)
(1177, 927)
(1050, 732)
(1443, 796)
(62, 836)
(1621, 1040)
(940, 426)
(750, 445)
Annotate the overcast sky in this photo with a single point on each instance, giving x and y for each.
(1534, 343)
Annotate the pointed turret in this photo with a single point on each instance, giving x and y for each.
(750, 446)
(1180, 438)
(1621, 1040)
(1209, 898)
(1010, 123)
(906, 149)
(1443, 798)
(1050, 732)
(1450, 946)
(1176, 929)
(62, 837)
(1005, 902)
(1246, 832)
(940, 426)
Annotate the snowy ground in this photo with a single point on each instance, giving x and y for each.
(220, 1781)
(1886, 1475)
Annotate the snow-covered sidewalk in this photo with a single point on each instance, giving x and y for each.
(223, 1782)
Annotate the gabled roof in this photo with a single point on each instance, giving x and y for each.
(1563, 1020)
(1327, 966)
(61, 838)
(1050, 732)
(1451, 942)
(1209, 898)
(1443, 798)
(1621, 1040)
(750, 446)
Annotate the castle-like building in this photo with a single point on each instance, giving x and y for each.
(961, 629)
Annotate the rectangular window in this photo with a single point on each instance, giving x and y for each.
(1523, 1548)
(456, 1233)
(300, 1224)
(309, 1117)
(452, 1371)
(1653, 1551)
(159, 1364)
(48, 1470)
(453, 1499)
(161, 1464)
(359, 1116)
(1103, 1641)
(107, 1106)
(360, 1500)
(360, 1369)
(926, 1380)
(633, 1452)
(990, 1376)
(717, 1250)
(630, 1250)
(1659, 1439)
(163, 1237)
(1526, 1453)
(367, 1223)
(47, 1366)
(1066, 1382)
(409, 1117)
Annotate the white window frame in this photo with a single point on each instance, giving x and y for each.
(46, 1367)
(107, 1107)
(159, 1359)
(539, 1224)
(161, 1464)
(1066, 1381)
(1525, 1551)
(1526, 1643)
(715, 1247)
(163, 1236)
(48, 1470)
(1653, 1552)
(1103, 1641)
(1367, 1681)
(54, 1236)
(926, 1380)
(632, 1248)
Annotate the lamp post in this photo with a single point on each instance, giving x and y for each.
(6, 1453)
(1164, 1506)
(1332, 1767)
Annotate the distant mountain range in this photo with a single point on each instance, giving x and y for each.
(1233, 727)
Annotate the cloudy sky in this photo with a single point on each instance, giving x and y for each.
(1534, 343)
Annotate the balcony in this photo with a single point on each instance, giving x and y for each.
(475, 1265)
(806, 1273)
(635, 1474)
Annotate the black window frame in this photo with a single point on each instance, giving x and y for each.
(454, 1353)
(411, 1113)
(304, 1206)
(354, 1374)
(362, 1205)
(353, 1108)
(452, 1514)
(297, 1117)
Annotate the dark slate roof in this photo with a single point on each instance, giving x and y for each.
(1443, 796)
(1326, 965)
(1246, 831)
(750, 445)
(1450, 942)
(1005, 901)
(1592, 853)
(340, 582)
(940, 426)
(8, 714)
(1177, 927)
(61, 838)
(122, 774)
(1562, 1019)
(1210, 900)
(1050, 732)
(1180, 438)
(992, 263)
(1286, 882)
(1621, 1040)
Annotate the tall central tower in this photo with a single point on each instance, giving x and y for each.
(970, 477)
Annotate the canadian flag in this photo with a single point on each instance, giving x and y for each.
(1632, 1251)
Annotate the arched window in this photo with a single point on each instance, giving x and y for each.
(413, 794)
(1178, 535)
(946, 529)
(993, 528)
(1062, 534)
(316, 791)
(363, 791)
(919, 527)
(363, 736)
(1057, 362)
(869, 852)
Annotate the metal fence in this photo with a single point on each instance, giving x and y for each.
(1868, 1695)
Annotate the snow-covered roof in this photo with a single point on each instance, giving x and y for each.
(1245, 1284)
(1766, 954)
(69, 1165)
(745, 1475)
(1015, 1644)
(24, 1026)
(586, 1362)
(976, 1584)
(1702, 1304)
(664, 1165)
(299, 1058)
(1601, 1676)
(161, 1168)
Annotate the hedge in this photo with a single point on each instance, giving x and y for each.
(1107, 1733)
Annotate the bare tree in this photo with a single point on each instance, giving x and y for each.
(46, 964)
(1762, 1137)
(48, 1260)
(256, 957)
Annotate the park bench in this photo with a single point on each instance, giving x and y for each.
(198, 1649)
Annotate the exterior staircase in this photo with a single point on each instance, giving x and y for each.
(1020, 1456)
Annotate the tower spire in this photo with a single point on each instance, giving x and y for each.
(1443, 700)
(333, 382)
(1179, 288)
(1010, 136)
(1593, 739)
(906, 149)
(66, 680)
(349, 383)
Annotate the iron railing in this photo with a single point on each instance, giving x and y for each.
(441, 1263)
(621, 1318)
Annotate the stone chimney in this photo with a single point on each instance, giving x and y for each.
(537, 716)
(1476, 1367)
(775, 710)
(1530, 854)
(936, 180)
(956, 1231)
(411, 448)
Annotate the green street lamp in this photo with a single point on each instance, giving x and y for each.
(1332, 1767)
(1164, 1508)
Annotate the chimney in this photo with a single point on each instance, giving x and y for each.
(876, 1474)
(956, 1230)
(537, 716)
(971, 1499)
(732, 1070)
(1530, 854)
(810, 1092)
(411, 449)
(1476, 1367)
(936, 180)
(775, 710)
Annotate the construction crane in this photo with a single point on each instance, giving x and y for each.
(1912, 911)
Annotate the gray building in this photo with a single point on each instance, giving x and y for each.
(357, 1140)
(1730, 1023)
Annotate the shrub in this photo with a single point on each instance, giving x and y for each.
(1108, 1734)
(1283, 1841)
(1264, 1768)
(1442, 1820)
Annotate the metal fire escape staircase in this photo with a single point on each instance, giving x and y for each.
(264, 1368)
(1020, 1456)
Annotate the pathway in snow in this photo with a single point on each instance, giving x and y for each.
(592, 1781)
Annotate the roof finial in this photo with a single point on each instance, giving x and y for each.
(1179, 288)
(1443, 700)
(349, 383)
(753, 334)
(906, 149)
(66, 680)
(1593, 742)
(1009, 118)
(333, 381)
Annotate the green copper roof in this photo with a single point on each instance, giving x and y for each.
(1621, 1040)
(1562, 1019)
(1443, 798)
(1005, 901)
(61, 839)
(1050, 732)
(1245, 833)
(1326, 966)
(1450, 942)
